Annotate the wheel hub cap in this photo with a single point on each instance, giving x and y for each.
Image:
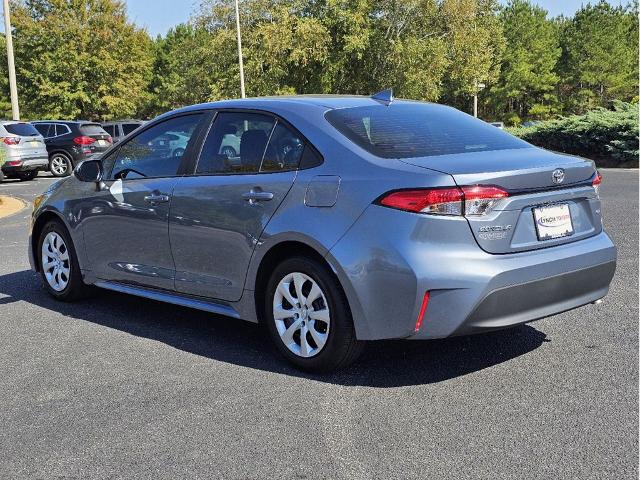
(301, 314)
(55, 261)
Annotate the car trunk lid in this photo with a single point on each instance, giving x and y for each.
(535, 179)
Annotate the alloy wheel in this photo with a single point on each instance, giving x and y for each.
(301, 314)
(59, 165)
(55, 261)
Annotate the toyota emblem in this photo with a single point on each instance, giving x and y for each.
(557, 176)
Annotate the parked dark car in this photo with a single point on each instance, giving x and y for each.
(119, 129)
(70, 142)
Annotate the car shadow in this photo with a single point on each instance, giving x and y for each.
(384, 364)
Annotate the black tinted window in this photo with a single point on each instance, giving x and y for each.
(59, 129)
(22, 129)
(236, 143)
(91, 129)
(284, 150)
(42, 128)
(157, 151)
(110, 129)
(127, 128)
(405, 130)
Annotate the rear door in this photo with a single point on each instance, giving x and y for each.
(125, 224)
(219, 213)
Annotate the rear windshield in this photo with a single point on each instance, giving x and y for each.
(92, 129)
(406, 130)
(22, 129)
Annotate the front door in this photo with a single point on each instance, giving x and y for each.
(246, 168)
(125, 224)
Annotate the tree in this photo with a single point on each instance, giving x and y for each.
(526, 87)
(475, 45)
(80, 59)
(600, 55)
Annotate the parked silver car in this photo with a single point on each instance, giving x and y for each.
(23, 151)
(345, 219)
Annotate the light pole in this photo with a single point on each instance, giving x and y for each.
(479, 86)
(15, 111)
(239, 50)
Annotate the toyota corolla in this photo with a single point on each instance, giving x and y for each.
(340, 220)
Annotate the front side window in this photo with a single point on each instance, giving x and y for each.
(407, 130)
(157, 151)
(43, 129)
(109, 129)
(236, 143)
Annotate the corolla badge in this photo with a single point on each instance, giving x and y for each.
(557, 176)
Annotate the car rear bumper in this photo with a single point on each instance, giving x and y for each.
(389, 259)
(26, 165)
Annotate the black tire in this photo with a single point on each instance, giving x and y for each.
(1, 176)
(26, 176)
(76, 288)
(55, 159)
(341, 347)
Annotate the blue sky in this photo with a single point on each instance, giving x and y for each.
(160, 15)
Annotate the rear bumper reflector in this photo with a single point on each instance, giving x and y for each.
(423, 309)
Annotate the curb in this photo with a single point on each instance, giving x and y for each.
(10, 205)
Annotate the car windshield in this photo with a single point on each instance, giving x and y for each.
(22, 129)
(407, 130)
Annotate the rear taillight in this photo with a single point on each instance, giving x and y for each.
(11, 140)
(423, 309)
(479, 199)
(597, 180)
(110, 140)
(14, 163)
(472, 200)
(441, 201)
(83, 140)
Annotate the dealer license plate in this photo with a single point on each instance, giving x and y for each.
(553, 221)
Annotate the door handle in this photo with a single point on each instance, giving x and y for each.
(156, 198)
(257, 195)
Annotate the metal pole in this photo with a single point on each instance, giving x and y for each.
(239, 50)
(475, 104)
(12, 67)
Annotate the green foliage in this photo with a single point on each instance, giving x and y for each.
(79, 58)
(85, 59)
(527, 81)
(600, 55)
(608, 136)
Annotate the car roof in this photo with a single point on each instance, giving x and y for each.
(74, 122)
(325, 102)
(126, 120)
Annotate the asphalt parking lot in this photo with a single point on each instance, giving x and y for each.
(120, 387)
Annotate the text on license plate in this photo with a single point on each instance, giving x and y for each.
(553, 221)
(102, 143)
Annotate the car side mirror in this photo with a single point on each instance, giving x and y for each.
(89, 171)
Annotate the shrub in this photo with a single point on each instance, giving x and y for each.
(610, 137)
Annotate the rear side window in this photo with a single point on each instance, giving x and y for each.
(22, 129)
(127, 128)
(406, 130)
(236, 143)
(91, 129)
(284, 150)
(109, 129)
(60, 129)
